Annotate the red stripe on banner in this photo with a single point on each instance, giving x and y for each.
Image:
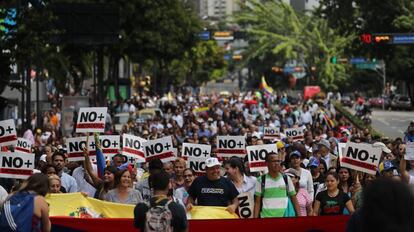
(110, 150)
(258, 164)
(359, 164)
(161, 156)
(298, 137)
(321, 223)
(231, 151)
(80, 154)
(135, 152)
(271, 136)
(91, 125)
(16, 171)
(23, 150)
(8, 138)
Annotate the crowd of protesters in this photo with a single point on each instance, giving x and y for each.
(305, 175)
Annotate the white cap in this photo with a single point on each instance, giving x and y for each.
(43, 158)
(211, 162)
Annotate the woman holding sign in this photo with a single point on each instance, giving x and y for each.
(332, 201)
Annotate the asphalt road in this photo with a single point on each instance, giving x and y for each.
(391, 123)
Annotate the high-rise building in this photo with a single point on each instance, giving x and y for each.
(216, 9)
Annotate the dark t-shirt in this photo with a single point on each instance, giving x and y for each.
(332, 205)
(179, 216)
(213, 193)
(317, 182)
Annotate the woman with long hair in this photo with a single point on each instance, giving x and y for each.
(30, 196)
(235, 172)
(103, 186)
(332, 201)
(123, 193)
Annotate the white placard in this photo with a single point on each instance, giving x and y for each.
(161, 148)
(23, 145)
(246, 205)
(361, 157)
(409, 151)
(8, 134)
(133, 146)
(193, 150)
(198, 165)
(256, 156)
(341, 148)
(91, 119)
(110, 144)
(75, 148)
(17, 165)
(295, 133)
(228, 146)
(271, 133)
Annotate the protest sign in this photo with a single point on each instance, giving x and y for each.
(75, 148)
(192, 150)
(228, 146)
(133, 147)
(161, 148)
(246, 205)
(271, 133)
(341, 148)
(23, 145)
(409, 151)
(91, 119)
(110, 144)
(256, 156)
(17, 165)
(361, 157)
(295, 133)
(8, 134)
(198, 165)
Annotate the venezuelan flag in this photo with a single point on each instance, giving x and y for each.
(100, 159)
(266, 88)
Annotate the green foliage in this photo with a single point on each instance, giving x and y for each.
(274, 28)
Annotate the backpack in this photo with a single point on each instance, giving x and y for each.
(17, 212)
(158, 218)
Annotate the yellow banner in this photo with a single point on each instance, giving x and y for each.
(202, 109)
(210, 212)
(76, 205)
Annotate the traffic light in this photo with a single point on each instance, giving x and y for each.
(334, 60)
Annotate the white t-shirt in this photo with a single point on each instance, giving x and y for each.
(306, 182)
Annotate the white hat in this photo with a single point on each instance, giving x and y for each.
(384, 148)
(43, 158)
(211, 162)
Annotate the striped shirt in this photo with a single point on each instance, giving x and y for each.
(275, 200)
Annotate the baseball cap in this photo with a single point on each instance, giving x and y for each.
(313, 162)
(211, 162)
(280, 145)
(325, 143)
(346, 131)
(384, 148)
(43, 158)
(292, 172)
(295, 153)
(386, 166)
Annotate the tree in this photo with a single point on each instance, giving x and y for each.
(274, 28)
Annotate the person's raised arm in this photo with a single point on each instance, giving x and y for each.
(96, 181)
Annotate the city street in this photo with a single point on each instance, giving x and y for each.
(391, 123)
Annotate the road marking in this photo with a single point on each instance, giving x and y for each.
(383, 121)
